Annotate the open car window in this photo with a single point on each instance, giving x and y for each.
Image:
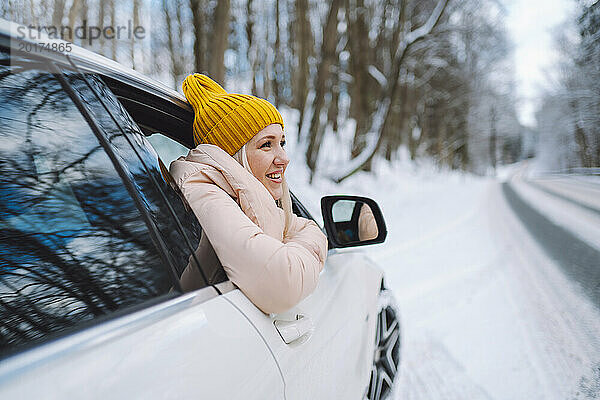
(168, 149)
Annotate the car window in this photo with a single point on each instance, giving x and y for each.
(168, 149)
(163, 199)
(74, 247)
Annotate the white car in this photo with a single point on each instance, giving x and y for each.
(95, 236)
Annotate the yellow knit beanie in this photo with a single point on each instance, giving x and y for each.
(227, 120)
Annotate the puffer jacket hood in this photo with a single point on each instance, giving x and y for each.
(209, 163)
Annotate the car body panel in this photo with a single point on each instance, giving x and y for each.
(188, 347)
(334, 360)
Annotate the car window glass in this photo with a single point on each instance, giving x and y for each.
(174, 219)
(73, 245)
(168, 149)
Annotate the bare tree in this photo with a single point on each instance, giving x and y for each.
(74, 12)
(568, 120)
(358, 43)
(173, 40)
(328, 53)
(136, 22)
(102, 5)
(249, 28)
(304, 42)
(277, 59)
(113, 22)
(198, 22)
(382, 117)
(58, 12)
(84, 14)
(219, 41)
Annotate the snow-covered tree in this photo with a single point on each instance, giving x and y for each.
(569, 117)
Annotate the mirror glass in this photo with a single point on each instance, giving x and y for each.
(354, 221)
(342, 210)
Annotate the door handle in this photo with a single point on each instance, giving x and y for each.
(291, 331)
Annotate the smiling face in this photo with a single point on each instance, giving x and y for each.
(267, 158)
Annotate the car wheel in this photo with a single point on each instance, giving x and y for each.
(386, 358)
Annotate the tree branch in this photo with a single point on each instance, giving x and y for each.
(382, 117)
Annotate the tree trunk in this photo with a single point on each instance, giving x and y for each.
(323, 72)
(277, 62)
(412, 140)
(198, 23)
(180, 65)
(583, 152)
(395, 129)
(220, 36)
(251, 55)
(358, 41)
(58, 13)
(101, 15)
(136, 22)
(73, 14)
(304, 42)
(113, 22)
(170, 41)
(84, 11)
(33, 18)
(402, 122)
(332, 113)
(493, 137)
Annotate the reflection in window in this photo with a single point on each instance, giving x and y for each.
(153, 182)
(73, 245)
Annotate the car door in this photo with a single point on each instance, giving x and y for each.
(89, 257)
(331, 355)
(334, 357)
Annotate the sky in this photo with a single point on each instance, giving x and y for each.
(530, 24)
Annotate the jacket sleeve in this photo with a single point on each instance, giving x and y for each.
(274, 275)
(307, 234)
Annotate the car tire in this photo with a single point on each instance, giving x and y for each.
(386, 357)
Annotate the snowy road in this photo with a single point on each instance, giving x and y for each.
(568, 231)
(499, 298)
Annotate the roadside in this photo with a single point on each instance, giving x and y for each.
(486, 312)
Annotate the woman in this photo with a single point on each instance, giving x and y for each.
(234, 182)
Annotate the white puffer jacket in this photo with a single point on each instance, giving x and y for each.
(246, 230)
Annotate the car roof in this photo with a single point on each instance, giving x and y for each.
(152, 104)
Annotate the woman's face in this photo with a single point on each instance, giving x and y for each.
(267, 158)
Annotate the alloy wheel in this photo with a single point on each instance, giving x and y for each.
(386, 358)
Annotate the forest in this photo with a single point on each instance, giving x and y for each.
(429, 79)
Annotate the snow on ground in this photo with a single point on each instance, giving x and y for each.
(486, 314)
(586, 192)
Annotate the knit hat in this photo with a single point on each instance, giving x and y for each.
(227, 120)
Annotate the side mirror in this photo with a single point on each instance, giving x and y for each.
(352, 221)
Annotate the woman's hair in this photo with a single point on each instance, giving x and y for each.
(285, 202)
